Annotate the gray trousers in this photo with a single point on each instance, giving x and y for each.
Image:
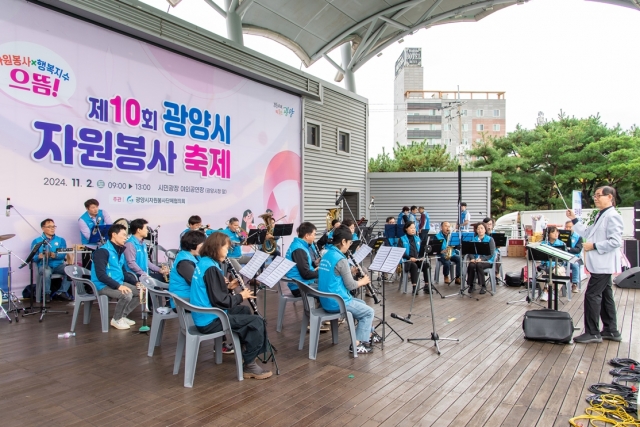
(126, 302)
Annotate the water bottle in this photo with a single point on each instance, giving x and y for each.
(66, 335)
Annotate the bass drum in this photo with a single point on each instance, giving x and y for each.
(123, 221)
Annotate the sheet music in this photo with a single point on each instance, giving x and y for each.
(251, 268)
(392, 260)
(362, 253)
(378, 261)
(278, 268)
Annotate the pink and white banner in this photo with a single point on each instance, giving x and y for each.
(89, 113)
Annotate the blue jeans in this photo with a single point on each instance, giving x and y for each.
(575, 273)
(64, 286)
(364, 315)
(446, 265)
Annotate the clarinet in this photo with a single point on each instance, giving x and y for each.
(317, 251)
(235, 274)
(360, 275)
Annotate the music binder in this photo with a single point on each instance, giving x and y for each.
(276, 270)
(362, 253)
(387, 259)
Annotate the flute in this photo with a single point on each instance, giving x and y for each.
(235, 274)
(361, 275)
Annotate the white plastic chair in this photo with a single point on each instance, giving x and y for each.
(82, 297)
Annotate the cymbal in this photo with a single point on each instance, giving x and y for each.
(4, 237)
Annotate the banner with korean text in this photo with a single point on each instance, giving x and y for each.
(90, 113)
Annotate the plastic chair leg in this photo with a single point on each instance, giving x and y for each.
(352, 331)
(238, 354)
(303, 330)
(334, 331)
(192, 346)
(87, 312)
(103, 303)
(153, 338)
(179, 353)
(314, 337)
(217, 344)
(282, 305)
(160, 332)
(76, 309)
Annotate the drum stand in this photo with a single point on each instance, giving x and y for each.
(434, 335)
(13, 303)
(43, 307)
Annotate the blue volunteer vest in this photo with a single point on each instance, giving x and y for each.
(441, 236)
(294, 273)
(329, 281)
(574, 241)
(405, 243)
(141, 255)
(427, 221)
(207, 233)
(234, 251)
(556, 244)
(114, 266)
(55, 243)
(485, 239)
(199, 294)
(177, 284)
(90, 223)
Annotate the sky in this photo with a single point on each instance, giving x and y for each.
(547, 55)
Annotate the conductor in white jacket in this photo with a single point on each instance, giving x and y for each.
(602, 257)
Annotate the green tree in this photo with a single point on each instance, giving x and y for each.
(416, 157)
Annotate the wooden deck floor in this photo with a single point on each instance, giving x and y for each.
(492, 377)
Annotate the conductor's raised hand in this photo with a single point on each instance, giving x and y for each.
(570, 214)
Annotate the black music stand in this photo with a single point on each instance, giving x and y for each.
(552, 279)
(45, 265)
(256, 237)
(434, 334)
(500, 240)
(475, 248)
(97, 234)
(282, 230)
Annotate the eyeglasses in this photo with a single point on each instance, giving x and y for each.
(597, 196)
(50, 226)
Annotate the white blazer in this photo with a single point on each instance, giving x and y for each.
(607, 235)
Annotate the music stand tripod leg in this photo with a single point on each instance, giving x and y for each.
(434, 334)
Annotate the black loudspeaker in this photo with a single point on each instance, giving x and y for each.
(629, 279)
(632, 252)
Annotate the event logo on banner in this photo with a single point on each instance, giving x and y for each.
(89, 113)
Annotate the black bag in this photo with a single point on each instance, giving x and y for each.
(548, 325)
(514, 279)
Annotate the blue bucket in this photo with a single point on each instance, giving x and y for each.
(4, 278)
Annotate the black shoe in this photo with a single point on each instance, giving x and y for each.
(47, 298)
(483, 290)
(611, 336)
(471, 289)
(426, 289)
(587, 338)
(413, 290)
(63, 296)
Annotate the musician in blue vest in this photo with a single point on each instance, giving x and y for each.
(414, 216)
(109, 275)
(135, 253)
(465, 217)
(209, 288)
(87, 224)
(324, 239)
(55, 261)
(445, 235)
(334, 276)
(575, 248)
(195, 223)
(553, 235)
(411, 244)
(303, 254)
(237, 239)
(479, 263)
(405, 215)
(185, 264)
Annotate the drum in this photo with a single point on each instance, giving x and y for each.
(123, 221)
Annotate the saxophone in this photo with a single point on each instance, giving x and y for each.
(448, 251)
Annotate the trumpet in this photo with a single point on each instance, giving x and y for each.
(235, 274)
(360, 275)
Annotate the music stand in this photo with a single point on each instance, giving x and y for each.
(45, 266)
(282, 230)
(434, 334)
(470, 248)
(386, 261)
(256, 236)
(565, 237)
(97, 234)
(541, 252)
(500, 239)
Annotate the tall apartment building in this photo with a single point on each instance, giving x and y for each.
(454, 119)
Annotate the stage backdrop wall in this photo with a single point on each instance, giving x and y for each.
(89, 113)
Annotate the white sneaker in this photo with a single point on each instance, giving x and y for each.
(120, 324)
(128, 321)
(544, 296)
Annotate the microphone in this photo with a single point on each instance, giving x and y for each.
(341, 197)
(404, 319)
(371, 203)
(9, 206)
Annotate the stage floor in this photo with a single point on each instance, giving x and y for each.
(491, 377)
